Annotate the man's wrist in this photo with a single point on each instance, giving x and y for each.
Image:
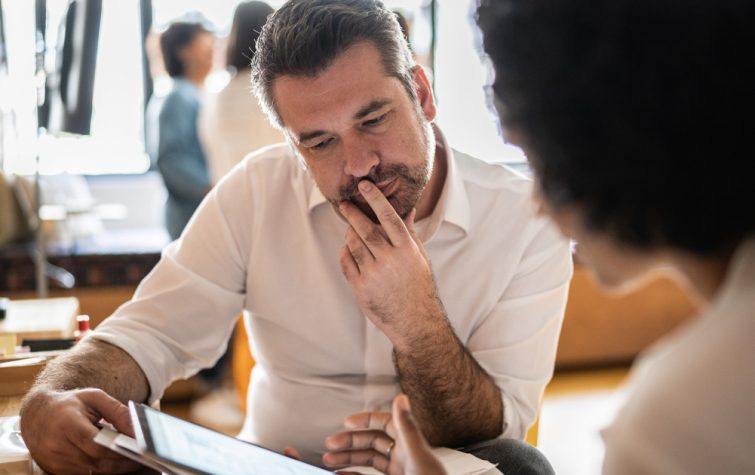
(36, 392)
(420, 331)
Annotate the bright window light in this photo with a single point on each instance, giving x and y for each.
(460, 76)
(116, 143)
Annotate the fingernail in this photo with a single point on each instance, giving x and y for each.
(404, 402)
(365, 185)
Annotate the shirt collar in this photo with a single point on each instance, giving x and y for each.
(452, 206)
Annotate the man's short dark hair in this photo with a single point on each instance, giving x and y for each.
(173, 40)
(640, 112)
(304, 37)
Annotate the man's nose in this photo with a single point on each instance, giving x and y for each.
(360, 159)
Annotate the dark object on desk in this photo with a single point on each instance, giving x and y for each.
(3, 307)
(48, 344)
(83, 329)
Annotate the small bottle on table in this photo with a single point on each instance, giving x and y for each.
(83, 330)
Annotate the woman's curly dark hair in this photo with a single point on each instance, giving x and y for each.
(640, 112)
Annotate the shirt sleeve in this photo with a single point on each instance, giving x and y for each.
(180, 158)
(656, 431)
(516, 343)
(182, 314)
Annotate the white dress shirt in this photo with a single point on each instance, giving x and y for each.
(265, 240)
(691, 405)
(231, 124)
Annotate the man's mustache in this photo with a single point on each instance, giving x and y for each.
(350, 191)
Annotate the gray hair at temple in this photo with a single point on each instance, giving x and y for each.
(304, 37)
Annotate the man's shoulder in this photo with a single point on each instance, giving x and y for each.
(272, 152)
(271, 174)
(270, 164)
(274, 158)
(491, 179)
(500, 202)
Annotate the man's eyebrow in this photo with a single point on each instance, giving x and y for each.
(364, 111)
(370, 108)
(306, 136)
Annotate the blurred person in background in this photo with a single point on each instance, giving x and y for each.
(187, 49)
(231, 123)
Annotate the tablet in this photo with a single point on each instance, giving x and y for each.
(196, 449)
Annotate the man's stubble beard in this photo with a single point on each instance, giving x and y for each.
(412, 181)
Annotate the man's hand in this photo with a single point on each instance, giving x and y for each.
(388, 269)
(456, 401)
(391, 444)
(58, 428)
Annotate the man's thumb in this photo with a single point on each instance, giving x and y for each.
(109, 409)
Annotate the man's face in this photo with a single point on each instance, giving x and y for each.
(352, 122)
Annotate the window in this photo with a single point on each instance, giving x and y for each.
(469, 123)
(116, 143)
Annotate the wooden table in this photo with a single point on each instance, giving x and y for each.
(10, 405)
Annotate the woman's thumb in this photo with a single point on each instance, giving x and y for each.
(407, 427)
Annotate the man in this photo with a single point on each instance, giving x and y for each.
(641, 140)
(368, 190)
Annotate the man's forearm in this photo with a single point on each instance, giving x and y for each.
(454, 399)
(95, 364)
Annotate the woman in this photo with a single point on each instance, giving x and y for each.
(187, 54)
(636, 117)
(231, 123)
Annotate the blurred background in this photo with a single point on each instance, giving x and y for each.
(82, 204)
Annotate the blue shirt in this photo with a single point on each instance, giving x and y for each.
(180, 157)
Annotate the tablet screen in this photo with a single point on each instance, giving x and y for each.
(206, 451)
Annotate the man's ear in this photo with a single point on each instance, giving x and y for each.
(424, 93)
